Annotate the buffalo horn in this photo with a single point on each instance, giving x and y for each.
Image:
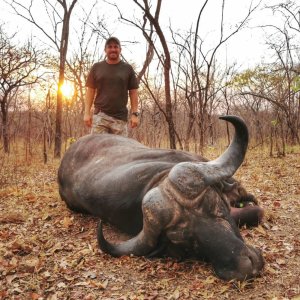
(192, 178)
(138, 245)
(227, 164)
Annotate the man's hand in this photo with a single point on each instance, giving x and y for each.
(89, 100)
(134, 121)
(87, 119)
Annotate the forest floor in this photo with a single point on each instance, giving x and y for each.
(49, 252)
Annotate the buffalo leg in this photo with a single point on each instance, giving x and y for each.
(248, 215)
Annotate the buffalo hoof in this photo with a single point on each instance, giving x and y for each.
(248, 215)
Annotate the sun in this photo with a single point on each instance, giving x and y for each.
(67, 89)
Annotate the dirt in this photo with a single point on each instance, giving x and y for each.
(49, 252)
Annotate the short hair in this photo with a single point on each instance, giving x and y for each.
(112, 39)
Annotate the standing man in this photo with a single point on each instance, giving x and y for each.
(108, 85)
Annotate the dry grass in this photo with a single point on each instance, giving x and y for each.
(48, 252)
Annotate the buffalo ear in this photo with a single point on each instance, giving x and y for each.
(187, 179)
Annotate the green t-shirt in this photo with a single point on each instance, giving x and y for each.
(112, 82)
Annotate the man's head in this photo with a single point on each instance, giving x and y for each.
(114, 40)
(112, 50)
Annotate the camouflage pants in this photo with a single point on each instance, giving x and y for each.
(103, 123)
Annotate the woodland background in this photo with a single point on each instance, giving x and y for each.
(184, 87)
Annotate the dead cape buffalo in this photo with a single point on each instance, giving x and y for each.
(175, 203)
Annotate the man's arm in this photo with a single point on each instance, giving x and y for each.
(89, 100)
(133, 95)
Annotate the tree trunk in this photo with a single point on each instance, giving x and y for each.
(271, 142)
(59, 99)
(63, 55)
(58, 119)
(169, 114)
(45, 156)
(5, 126)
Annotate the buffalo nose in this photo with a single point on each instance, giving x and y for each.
(247, 264)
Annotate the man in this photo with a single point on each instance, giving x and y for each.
(108, 85)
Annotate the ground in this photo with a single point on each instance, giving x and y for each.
(49, 252)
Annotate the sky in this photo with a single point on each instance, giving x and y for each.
(246, 49)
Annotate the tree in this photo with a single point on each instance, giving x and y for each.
(18, 66)
(277, 83)
(285, 44)
(271, 84)
(87, 38)
(59, 41)
(165, 58)
(152, 20)
(201, 79)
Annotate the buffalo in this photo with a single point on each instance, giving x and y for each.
(174, 203)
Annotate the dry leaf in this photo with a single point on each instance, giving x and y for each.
(67, 222)
(224, 289)
(20, 248)
(46, 217)
(281, 261)
(207, 294)
(3, 294)
(260, 230)
(29, 265)
(47, 274)
(82, 283)
(61, 285)
(30, 197)
(271, 270)
(85, 252)
(99, 285)
(10, 278)
(52, 297)
(90, 274)
(275, 228)
(14, 218)
(57, 247)
(210, 280)
(69, 278)
(175, 295)
(276, 204)
(104, 284)
(35, 296)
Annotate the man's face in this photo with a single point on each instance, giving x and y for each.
(113, 51)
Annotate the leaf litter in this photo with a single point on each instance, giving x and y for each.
(49, 252)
